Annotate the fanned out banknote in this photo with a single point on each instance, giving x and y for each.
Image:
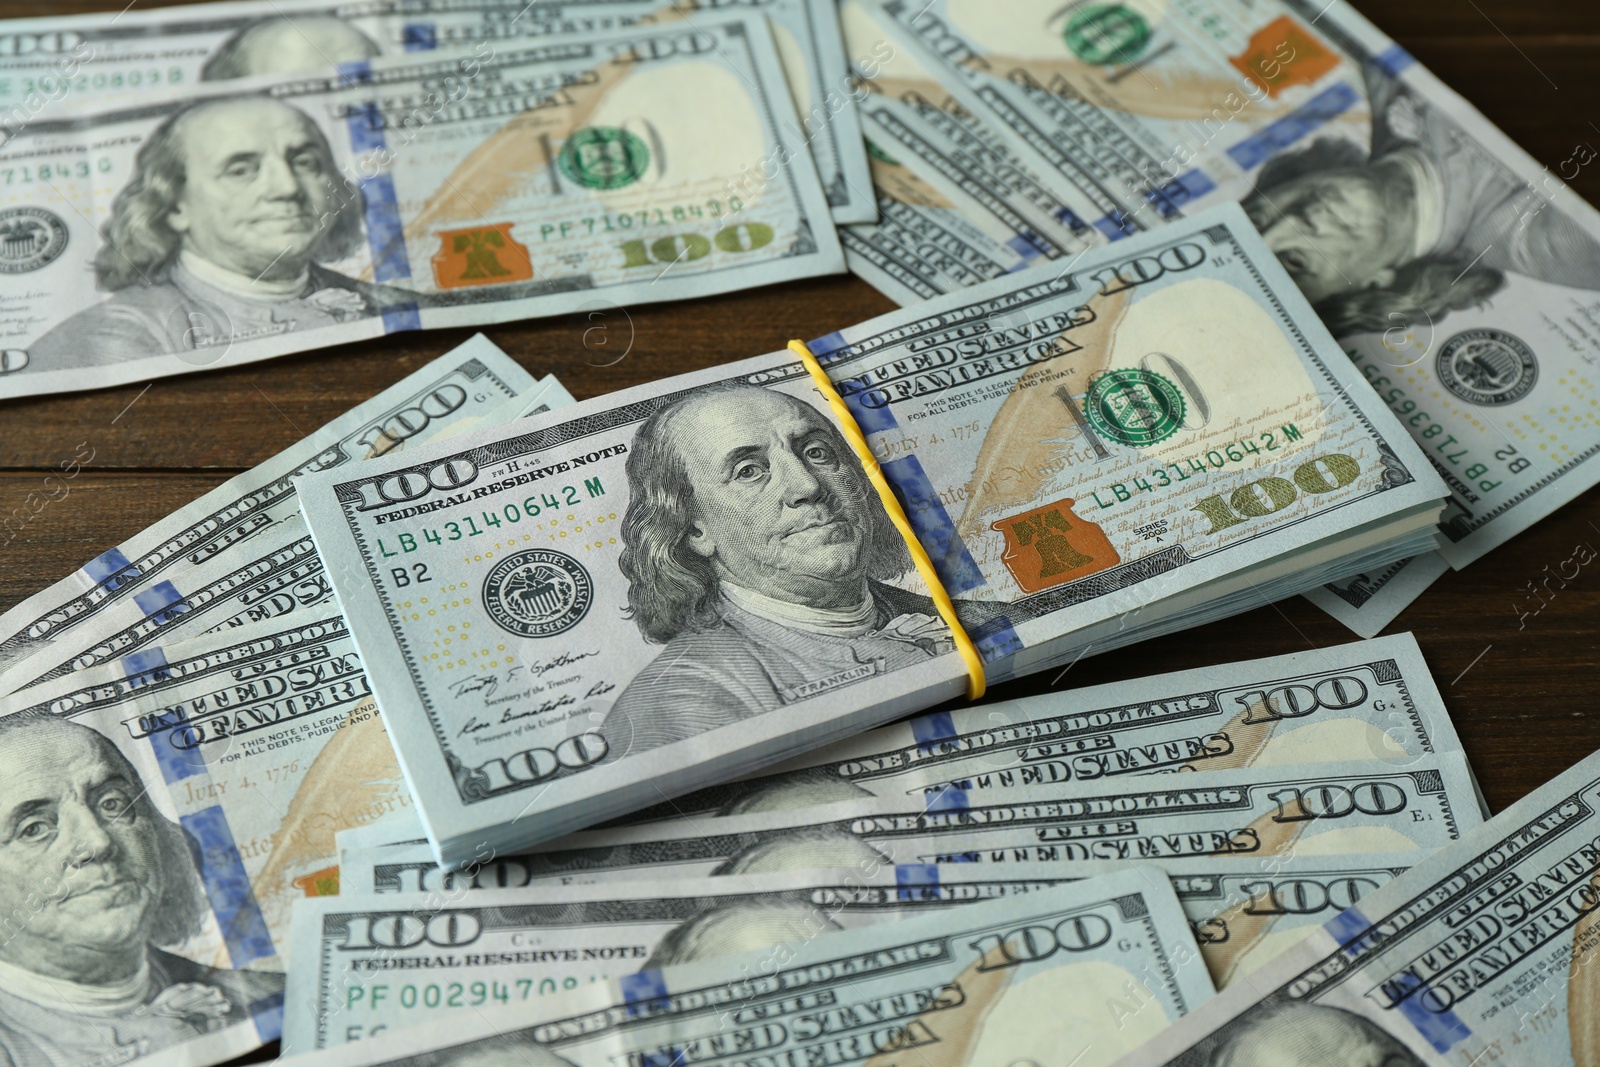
(240, 554)
(131, 930)
(1483, 952)
(1158, 435)
(371, 968)
(1110, 959)
(924, 243)
(959, 151)
(552, 175)
(155, 567)
(1333, 809)
(263, 740)
(1456, 270)
(1371, 700)
(955, 206)
(106, 57)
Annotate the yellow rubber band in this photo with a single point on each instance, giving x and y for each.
(976, 680)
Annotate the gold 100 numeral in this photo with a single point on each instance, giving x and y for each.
(687, 247)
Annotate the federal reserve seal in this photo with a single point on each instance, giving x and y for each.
(1488, 367)
(1134, 406)
(537, 593)
(30, 237)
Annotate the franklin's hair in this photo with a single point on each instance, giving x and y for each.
(672, 588)
(737, 928)
(518, 1049)
(233, 59)
(139, 247)
(181, 909)
(1424, 290)
(1297, 1034)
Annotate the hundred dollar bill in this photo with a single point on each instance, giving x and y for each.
(288, 212)
(954, 207)
(548, 707)
(154, 567)
(127, 939)
(1483, 952)
(924, 243)
(1456, 270)
(1356, 807)
(267, 743)
(1370, 700)
(1158, 433)
(1110, 959)
(1143, 111)
(97, 58)
(960, 154)
(374, 964)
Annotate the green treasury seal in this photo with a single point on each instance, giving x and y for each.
(1103, 34)
(1134, 406)
(604, 157)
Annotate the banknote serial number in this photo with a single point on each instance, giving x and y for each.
(56, 87)
(53, 172)
(1183, 470)
(558, 498)
(617, 222)
(1430, 433)
(454, 994)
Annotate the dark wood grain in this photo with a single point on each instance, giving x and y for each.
(1520, 683)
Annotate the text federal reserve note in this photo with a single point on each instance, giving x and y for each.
(427, 190)
(965, 985)
(1484, 952)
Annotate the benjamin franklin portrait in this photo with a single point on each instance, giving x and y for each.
(220, 236)
(97, 885)
(1426, 222)
(758, 555)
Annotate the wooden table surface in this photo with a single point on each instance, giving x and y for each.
(1520, 688)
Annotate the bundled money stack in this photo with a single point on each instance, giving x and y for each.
(486, 727)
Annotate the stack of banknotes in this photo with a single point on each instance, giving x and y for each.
(486, 728)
